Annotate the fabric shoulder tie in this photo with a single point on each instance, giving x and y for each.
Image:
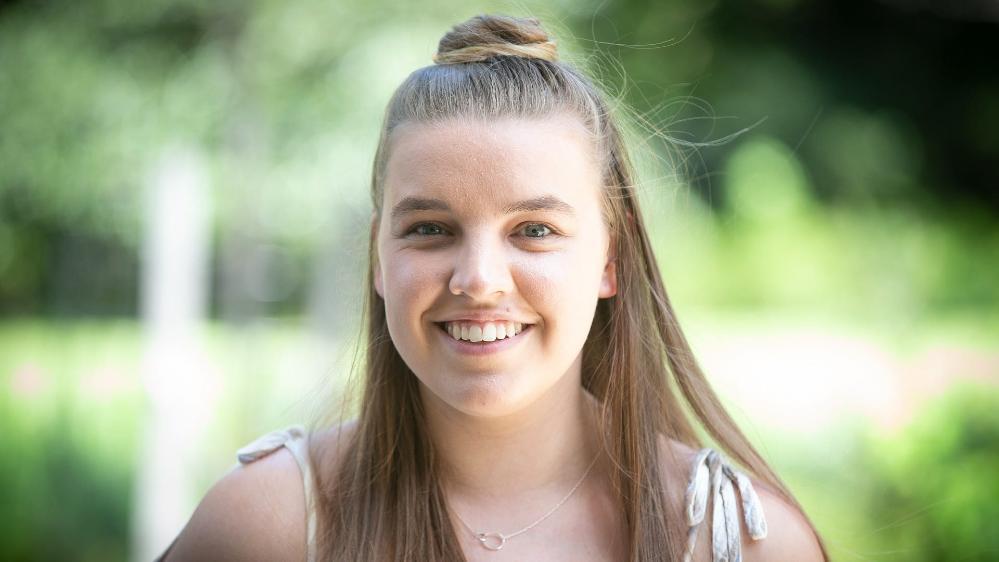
(296, 440)
(711, 475)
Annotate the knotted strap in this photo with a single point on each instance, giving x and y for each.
(711, 475)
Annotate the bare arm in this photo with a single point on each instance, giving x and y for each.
(254, 512)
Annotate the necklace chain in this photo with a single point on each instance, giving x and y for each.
(495, 540)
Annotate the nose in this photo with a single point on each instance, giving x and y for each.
(481, 270)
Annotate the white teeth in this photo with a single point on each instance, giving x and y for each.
(486, 332)
(474, 333)
(489, 332)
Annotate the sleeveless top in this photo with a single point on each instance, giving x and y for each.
(711, 477)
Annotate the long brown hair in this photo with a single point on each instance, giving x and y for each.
(383, 499)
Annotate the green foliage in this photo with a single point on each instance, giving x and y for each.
(73, 409)
(823, 204)
(934, 493)
(774, 244)
(70, 414)
(924, 492)
(62, 501)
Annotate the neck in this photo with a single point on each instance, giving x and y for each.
(545, 446)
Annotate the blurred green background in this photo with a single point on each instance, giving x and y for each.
(821, 180)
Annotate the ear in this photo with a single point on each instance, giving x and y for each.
(376, 269)
(608, 283)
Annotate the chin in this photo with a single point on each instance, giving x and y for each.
(482, 396)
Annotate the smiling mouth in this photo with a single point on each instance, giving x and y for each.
(482, 333)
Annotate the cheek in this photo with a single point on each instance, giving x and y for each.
(410, 286)
(563, 288)
(405, 286)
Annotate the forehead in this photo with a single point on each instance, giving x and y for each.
(476, 164)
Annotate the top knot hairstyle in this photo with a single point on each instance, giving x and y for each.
(492, 67)
(381, 497)
(484, 37)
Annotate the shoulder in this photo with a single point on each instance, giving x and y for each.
(254, 512)
(789, 535)
(257, 511)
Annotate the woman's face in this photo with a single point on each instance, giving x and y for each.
(487, 226)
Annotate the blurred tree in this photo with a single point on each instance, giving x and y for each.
(920, 77)
(884, 105)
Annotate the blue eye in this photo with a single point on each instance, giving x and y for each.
(537, 231)
(426, 229)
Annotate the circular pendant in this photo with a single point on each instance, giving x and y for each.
(492, 541)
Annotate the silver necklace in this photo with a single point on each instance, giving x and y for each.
(492, 540)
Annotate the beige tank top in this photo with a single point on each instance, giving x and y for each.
(712, 482)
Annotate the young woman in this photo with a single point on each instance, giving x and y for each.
(528, 393)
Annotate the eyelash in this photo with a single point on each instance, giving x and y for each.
(551, 231)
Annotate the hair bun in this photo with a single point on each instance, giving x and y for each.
(483, 37)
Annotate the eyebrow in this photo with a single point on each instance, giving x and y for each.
(542, 203)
